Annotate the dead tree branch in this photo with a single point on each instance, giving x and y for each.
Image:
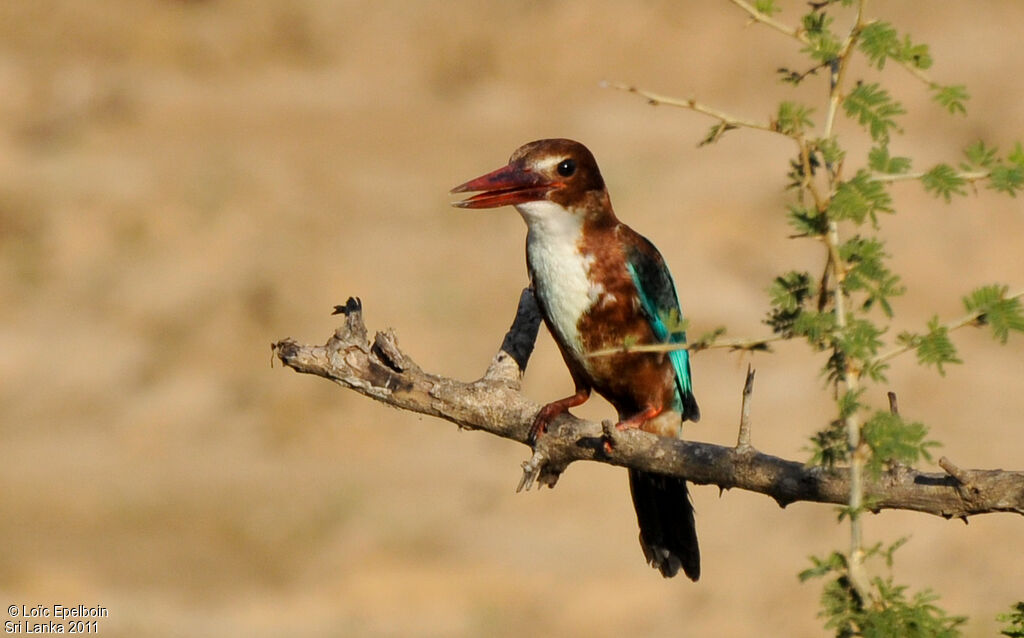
(493, 403)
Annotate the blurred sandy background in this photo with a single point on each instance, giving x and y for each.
(182, 183)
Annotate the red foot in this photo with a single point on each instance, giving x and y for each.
(552, 410)
(637, 420)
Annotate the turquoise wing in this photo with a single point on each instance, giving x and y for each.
(660, 304)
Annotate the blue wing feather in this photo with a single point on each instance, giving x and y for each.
(659, 301)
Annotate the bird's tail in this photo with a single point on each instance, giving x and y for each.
(668, 534)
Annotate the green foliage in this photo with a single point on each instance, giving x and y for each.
(793, 118)
(789, 294)
(880, 161)
(1015, 618)
(1002, 313)
(868, 273)
(893, 440)
(860, 197)
(980, 155)
(829, 447)
(879, 41)
(943, 181)
(889, 610)
(860, 339)
(933, 347)
(875, 109)
(807, 222)
(1006, 176)
(835, 198)
(823, 45)
(675, 324)
(715, 132)
(953, 98)
(766, 7)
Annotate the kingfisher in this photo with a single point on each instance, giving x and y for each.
(601, 286)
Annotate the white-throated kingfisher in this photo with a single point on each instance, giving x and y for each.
(600, 285)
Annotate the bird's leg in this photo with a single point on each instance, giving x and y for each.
(637, 420)
(634, 422)
(553, 409)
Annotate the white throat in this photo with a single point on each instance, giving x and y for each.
(559, 267)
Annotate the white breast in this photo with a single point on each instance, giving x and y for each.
(560, 277)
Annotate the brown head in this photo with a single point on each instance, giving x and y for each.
(557, 170)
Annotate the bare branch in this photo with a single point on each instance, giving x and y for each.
(766, 19)
(382, 371)
(748, 344)
(729, 121)
(968, 176)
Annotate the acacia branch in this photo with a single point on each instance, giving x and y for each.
(728, 121)
(970, 319)
(380, 370)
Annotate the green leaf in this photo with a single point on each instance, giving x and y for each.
(823, 45)
(980, 155)
(878, 41)
(875, 109)
(1016, 156)
(807, 222)
(789, 294)
(830, 150)
(869, 274)
(916, 55)
(766, 7)
(933, 348)
(893, 440)
(1015, 618)
(860, 339)
(943, 181)
(793, 118)
(715, 133)
(815, 326)
(888, 611)
(860, 197)
(997, 310)
(829, 447)
(1006, 178)
(953, 97)
(880, 161)
(675, 324)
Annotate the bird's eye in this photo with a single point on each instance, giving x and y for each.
(566, 167)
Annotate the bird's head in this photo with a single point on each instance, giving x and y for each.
(559, 171)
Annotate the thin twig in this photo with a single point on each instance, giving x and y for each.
(766, 19)
(969, 319)
(968, 176)
(732, 344)
(656, 99)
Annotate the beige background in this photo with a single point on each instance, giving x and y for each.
(182, 183)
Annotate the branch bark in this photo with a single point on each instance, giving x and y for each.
(380, 370)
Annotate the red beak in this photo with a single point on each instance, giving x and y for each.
(506, 186)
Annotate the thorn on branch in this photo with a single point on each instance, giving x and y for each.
(894, 406)
(743, 440)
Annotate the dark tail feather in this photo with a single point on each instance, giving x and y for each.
(668, 534)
